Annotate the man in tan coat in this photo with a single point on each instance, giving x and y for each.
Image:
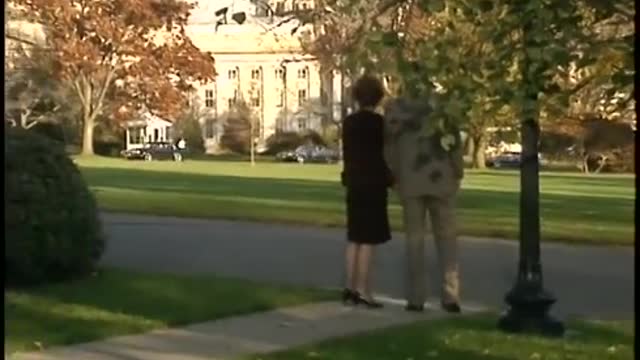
(427, 172)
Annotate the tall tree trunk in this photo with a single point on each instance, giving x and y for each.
(88, 125)
(469, 147)
(602, 162)
(343, 109)
(83, 87)
(585, 164)
(479, 148)
(91, 106)
(327, 97)
(252, 143)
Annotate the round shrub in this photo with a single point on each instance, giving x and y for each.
(313, 137)
(52, 230)
(283, 141)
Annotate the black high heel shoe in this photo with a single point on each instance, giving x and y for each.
(360, 300)
(348, 297)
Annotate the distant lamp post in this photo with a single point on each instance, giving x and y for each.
(528, 300)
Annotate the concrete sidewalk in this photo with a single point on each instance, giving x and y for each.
(245, 335)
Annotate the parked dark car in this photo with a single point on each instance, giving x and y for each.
(509, 159)
(154, 151)
(309, 154)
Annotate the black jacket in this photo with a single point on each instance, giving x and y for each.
(363, 151)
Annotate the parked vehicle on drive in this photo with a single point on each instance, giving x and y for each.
(309, 154)
(508, 159)
(154, 151)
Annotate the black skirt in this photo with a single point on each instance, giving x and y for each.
(367, 218)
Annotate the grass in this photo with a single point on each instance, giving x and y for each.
(116, 302)
(472, 338)
(575, 208)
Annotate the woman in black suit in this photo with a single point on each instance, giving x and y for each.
(366, 178)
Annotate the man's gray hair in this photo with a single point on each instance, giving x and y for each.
(404, 114)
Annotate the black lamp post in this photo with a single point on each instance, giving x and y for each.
(529, 302)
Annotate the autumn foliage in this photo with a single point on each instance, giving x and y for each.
(133, 52)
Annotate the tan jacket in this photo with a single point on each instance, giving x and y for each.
(419, 164)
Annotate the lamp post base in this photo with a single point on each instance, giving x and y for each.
(545, 326)
(529, 311)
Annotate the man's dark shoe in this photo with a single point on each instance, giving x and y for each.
(452, 308)
(414, 308)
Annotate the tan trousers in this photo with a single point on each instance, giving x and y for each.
(443, 222)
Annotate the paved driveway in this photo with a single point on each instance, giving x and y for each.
(588, 281)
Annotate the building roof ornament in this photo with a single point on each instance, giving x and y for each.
(241, 26)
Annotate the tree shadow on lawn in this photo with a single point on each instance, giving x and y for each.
(489, 212)
(499, 200)
(420, 340)
(593, 180)
(48, 322)
(460, 338)
(577, 330)
(212, 184)
(116, 303)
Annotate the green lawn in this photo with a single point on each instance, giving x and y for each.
(472, 338)
(597, 209)
(116, 302)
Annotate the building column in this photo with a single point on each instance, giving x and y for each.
(127, 140)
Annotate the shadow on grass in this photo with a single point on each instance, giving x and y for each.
(565, 217)
(593, 180)
(118, 302)
(230, 157)
(621, 332)
(45, 321)
(462, 338)
(578, 331)
(415, 341)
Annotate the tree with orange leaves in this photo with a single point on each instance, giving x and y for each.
(133, 51)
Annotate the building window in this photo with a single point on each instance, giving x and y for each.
(302, 124)
(234, 98)
(210, 128)
(233, 74)
(302, 97)
(303, 73)
(280, 73)
(255, 101)
(168, 133)
(209, 98)
(279, 8)
(280, 98)
(255, 74)
(135, 135)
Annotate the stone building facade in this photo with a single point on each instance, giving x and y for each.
(260, 61)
